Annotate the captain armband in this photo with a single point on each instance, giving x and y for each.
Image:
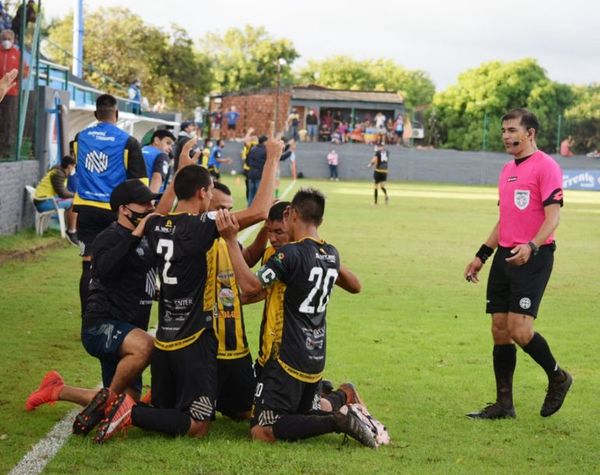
(266, 276)
(484, 253)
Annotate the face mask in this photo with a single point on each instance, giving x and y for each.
(136, 217)
(7, 44)
(72, 172)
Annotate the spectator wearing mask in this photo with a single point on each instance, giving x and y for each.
(53, 189)
(9, 61)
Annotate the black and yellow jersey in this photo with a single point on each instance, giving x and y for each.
(228, 318)
(309, 269)
(244, 154)
(271, 325)
(183, 246)
(381, 165)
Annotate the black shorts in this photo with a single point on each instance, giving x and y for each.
(278, 393)
(519, 289)
(379, 177)
(236, 386)
(91, 221)
(186, 379)
(231, 126)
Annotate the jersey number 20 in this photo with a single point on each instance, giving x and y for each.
(167, 246)
(323, 285)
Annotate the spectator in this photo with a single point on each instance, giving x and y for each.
(30, 18)
(232, 118)
(217, 118)
(53, 188)
(9, 60)
(293, 121)
(135, 96)
(565, 147)
(256, 162)
(399, 129)
(7, 82)
(5, 19)
(160, 106)
(333, 161)
(312, 125)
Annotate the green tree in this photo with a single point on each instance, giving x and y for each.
(343, 72)
(119, 47)
(583, 118)
(466, 112)
(247, 58)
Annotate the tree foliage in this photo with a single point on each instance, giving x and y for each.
(119, 47)
(247, 58)
(464, 112)
(343, 72)
(583, 118)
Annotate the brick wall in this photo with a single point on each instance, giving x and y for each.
(16, 212)
(258, 110)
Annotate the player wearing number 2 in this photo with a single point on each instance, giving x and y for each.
(286, 403)
(184, 362)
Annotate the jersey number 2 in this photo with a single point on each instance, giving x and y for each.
(321, 284)
(167, 246)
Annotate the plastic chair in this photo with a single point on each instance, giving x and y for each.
(42, 219)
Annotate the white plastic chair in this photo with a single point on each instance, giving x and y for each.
(42, 219)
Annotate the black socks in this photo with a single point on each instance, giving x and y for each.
(300, 426)
(375, 195)
(539, 350)
(336, 398)
(167, 421)
(84, 283)
(505, 362)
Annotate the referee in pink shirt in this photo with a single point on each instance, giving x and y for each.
(530, 198)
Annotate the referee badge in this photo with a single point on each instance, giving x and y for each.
(521, 199)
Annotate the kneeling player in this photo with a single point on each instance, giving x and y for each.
(288, 394)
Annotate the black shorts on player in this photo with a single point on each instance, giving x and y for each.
(379, 177)
(278, 393)
(91, 221)
(236, 386)
(186, 379)
(519, 289)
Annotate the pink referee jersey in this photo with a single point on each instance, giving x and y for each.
(524, 190)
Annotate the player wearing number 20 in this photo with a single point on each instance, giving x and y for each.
(286, 402)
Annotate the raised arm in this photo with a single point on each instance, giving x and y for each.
(259, 209)
(254, 251)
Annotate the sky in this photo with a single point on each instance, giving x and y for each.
(441, 37)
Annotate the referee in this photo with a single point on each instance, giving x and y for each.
(106, 156)
(530, 198)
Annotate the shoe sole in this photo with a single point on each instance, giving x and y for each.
(570, 381)
(359, 431)
(82, 425)
(108, 427)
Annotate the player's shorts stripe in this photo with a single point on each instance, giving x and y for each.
(178, 344)
(304, 377)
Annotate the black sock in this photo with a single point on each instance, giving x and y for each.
(539, 350)
(336, 398)
(300, 426)
(375, 195)
(384, 191)
(84, 283)
(167, 421)
(505, 362)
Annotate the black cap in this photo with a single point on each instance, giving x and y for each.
(130, 191)
(185, 124)
(262, 139)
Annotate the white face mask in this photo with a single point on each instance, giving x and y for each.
(7, 44)
(72, 172)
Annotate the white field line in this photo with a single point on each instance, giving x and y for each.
(34, 461)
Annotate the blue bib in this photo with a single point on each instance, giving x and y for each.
(101, 161)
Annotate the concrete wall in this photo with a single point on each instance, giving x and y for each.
(16, 212)
(406, 164)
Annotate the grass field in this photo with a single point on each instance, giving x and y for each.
(415, 342)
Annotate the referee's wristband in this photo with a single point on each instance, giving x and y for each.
(484, 253)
